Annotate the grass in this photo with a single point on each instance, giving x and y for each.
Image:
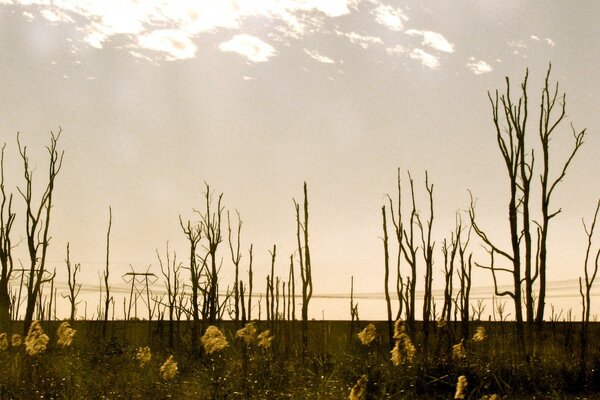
(94, 367)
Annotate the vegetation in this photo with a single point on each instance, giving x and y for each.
(208, 338)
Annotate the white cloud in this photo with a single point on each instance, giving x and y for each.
(134, 19)
(517, 44)
(550, 42)
(433, 40)
(390, 17)
(478, 67)
(364, 41)
(55, 15)
(533, 37)
(428, 60)
(397, 50)
(250, 47)
(174, 43)
(315, 55)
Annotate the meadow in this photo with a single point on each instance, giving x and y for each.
(344, 360)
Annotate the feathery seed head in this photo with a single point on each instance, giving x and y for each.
(3, 342)
(264, 339)
(399, 329)
(479, 335)
(441, 323)
(16, 340)
(458, 351)
(247, 333)
(168, 370)
(461, 387)
(65, 334)
(359, 390)
(36, 340)
(367, 335)
(213, 340)
(144, 355)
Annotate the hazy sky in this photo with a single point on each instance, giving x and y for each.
(255, 97)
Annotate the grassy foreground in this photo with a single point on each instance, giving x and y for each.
(94, 367)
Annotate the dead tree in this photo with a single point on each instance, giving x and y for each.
(250, 283)
(235, 258)
(305, 266)
(107, 297)
(408, 248)
(585, 287)
(37, 222)
(74, 287)
(193, 234)
(428, 247)
(386, 263)
(399, 232)
(549, 121)
(7, 218)
(212, 232)
(292, 291)
(271, 315)
(171, 272)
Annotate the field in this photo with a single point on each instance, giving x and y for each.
(98, 366)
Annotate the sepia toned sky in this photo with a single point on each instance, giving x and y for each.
(155, 98)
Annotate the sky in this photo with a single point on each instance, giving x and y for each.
(157, 98)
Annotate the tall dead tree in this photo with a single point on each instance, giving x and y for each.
(250, 278)
(386, 263)
(510, 119)
(550, 119)
(37, 222)
(107, 297)
(399, 232)
(428, 247)
(193, 234)
(7, 218)
(170, 269)
(212, 232)
(585, 287)
(408, 248)
(235, 258)
(74, 287)
(304, 265)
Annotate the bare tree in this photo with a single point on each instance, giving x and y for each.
(7, 218)
(107, 298)
(386, 263)
(235, 258)
(510, 119)
(170, 269)
(250, 278)
(37, 222)
(305, 266)
(549, 121)
(193, 234)
(585, 286)
(74, 287)
(427, 246)
(212, 232)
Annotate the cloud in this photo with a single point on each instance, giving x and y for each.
(55, 16)
(396, 50)
(428, 60)
(433, 40)
(533, 37)
(136, 21)
(364, 41)
(390, 17)
(250, 47)
(315, 55)
(550, 42)
(517, 44)
(478, 67)
(174, 43)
